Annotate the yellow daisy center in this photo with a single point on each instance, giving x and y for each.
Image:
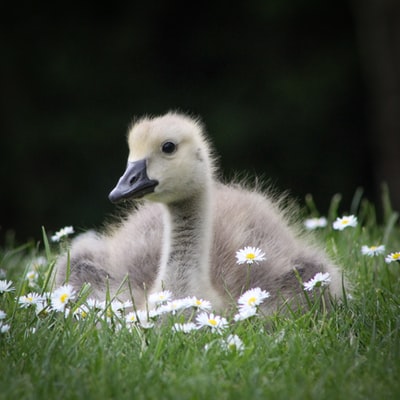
(212, 322)
(64, 298)
(396, 256)
(251, 301)
(345, 221)
(373, 248)
(250, 256)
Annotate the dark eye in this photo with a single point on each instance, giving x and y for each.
(168, 147)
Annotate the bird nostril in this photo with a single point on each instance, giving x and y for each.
(133, 180)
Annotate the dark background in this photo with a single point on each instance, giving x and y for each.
(304, 93)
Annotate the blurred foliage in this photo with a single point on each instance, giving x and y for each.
(277, 83)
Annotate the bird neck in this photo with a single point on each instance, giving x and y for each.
(184, 266)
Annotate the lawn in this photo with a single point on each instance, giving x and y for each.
(59, 345)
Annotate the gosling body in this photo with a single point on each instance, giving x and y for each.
(185, 235)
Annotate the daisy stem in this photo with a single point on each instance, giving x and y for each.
(307, 297)
(248, 277)
(322, 296)
(192, 314)
(375, 272)
(388, 276)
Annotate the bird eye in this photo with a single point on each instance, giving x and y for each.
(168, 147)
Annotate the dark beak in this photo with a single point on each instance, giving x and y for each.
(134, 183)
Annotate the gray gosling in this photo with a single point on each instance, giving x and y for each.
(185, 233)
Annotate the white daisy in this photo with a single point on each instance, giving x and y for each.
(127, 304)
(111, 309)
(62, 233)
(185, 328)
(6, 286)
(314, 223)
(4, 327)
(200, 304)
(249, 255)
(116, 306)
(141, 318)
(215, 322)
(61, 296)
(41, 307)
(253, 297)
(344, 222)
(144, 319)
(319, 280)
(30, 299)
(160, 297)
(233, 343)
(172, 306)
(372, 251)
(82, 311)
(131, 318)
(39, 262)
(244, 313)
(32, 276)
(393, 257)
(95, 304)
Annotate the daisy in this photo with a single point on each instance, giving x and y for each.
(344, 222)
(30, 299)
(94, 304)
(82, 312)
(160, 297)
(127, 304)
(41, 307)
(319, 280)
(144, 319)
(5, 286)
(244, 313)
(215, 322)
(131, 318)
(32, 276)
(172, 306)
(111, 309)
(39, 262)
(249, 255)
(233, 343)
(200, 304)
(314, 223)
(372, 251)
(393, 257)
(4, 327)
(140, 317)
(116, 306)
(253, 297)
(185, 328)
(62, 233)
(61, 296)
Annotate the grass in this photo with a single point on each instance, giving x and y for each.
(351, 353)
